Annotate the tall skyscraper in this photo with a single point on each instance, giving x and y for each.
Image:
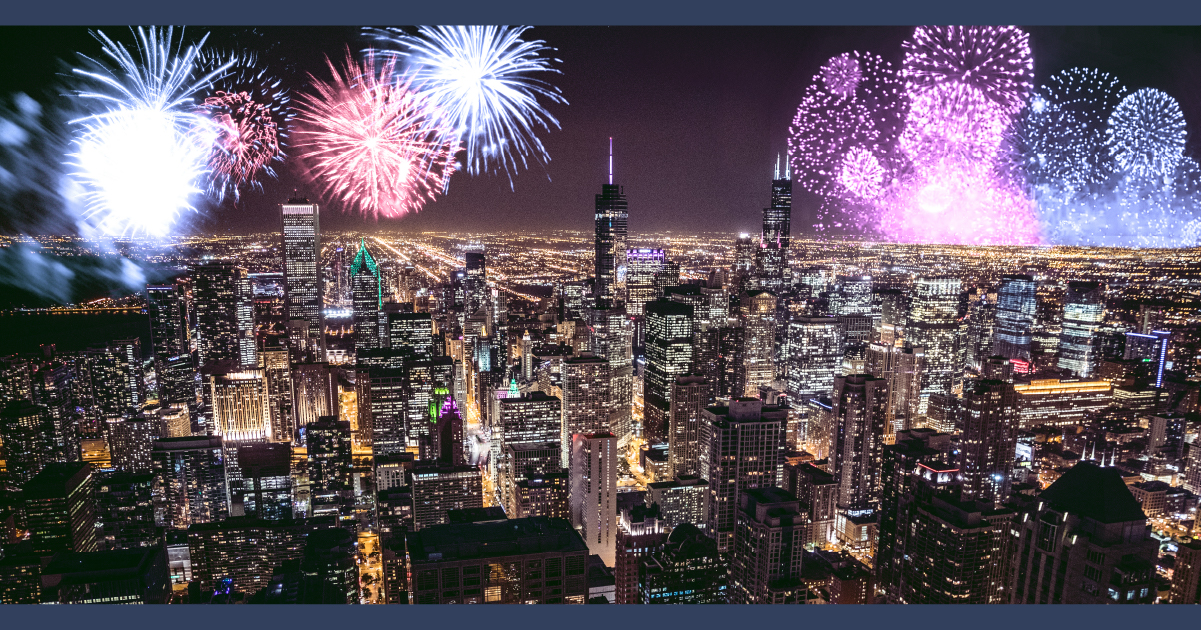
(757, 315)
(743, 449)
(304, 293)
(241, 406)
(644, 265)
(772, 260)
(858, 421)
(1152, 348)
(60, 508)
(815, 351)
(475, 282)
(989, 443)
(612, 216)
(586, 399)
(368, 299)
(769, 544)
(412, 333)
(1083, 312)
(933, 324)
(25, 439)
(170, 335)
(690, 395)
(1016, 307)
(593, 492)
(668, 355)
(189, 484)
(224, 304)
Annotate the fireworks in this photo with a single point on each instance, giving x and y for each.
(854, 104)
(994, 62)
(250, 111)
(142, 157)
(861, 173)
(376, 145)
(481, 78)
(1146, 134)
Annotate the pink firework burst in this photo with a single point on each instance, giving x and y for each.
(995, 61)
(247, 137)
(841, 75)
(862, 174)
(375, 144)
(952, 119)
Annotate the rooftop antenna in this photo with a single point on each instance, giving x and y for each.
(777, 175)
(610, 160)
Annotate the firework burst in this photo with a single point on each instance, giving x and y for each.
(251, 111)
(484, 79)
(141, 157)
(376, 145)
(1146, 134)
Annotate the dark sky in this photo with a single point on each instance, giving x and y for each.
(697, 114)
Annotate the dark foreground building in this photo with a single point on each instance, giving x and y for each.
(535, 560)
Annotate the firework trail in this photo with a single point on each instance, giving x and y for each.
(483, 79)
(142, 156)
(250, 111)
(376, 145)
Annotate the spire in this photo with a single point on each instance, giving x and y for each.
(610, 160)
(777, 175)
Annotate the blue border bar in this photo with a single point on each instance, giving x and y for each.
(607, 12)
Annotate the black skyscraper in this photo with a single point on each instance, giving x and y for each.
(612, 215)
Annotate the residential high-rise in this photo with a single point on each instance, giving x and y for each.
(1084, 540)
(277, 369)
(1083, 312)
(224, 303)
(330, 464)
(265, 490)
(1186, 574)
(189, 481)
(1016, 308)
(757, 316)
(244, 551)
(951, 551)
(743, 446)
(687, 570)
(858, 422)
(541, 494)
(439, 488)
(640, 533)
(475, 281)
(25, 433)
(612, 216)
(690, 395)
(768, 547)
(171, 337)
(815, 351)
(684, 499)
(989, 442)
(643, 268)
(933, 325)
(130, 441)
(593, 491)
(412, 333)
(367, 292)
(532, 418)
(668, 356)
(586, 399)
(772, 258)
(125, 511)
(900, 460)
(817, 491)
(316, 392)
(60, 508)
(304, 292)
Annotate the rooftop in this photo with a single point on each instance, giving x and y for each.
(538, 534)
(1094, 492)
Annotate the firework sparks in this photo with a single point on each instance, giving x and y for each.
(250, 111)
(482, 77)
(141, 159)
(1146, 134)
(379, 147)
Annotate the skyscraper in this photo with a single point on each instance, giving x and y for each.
(643, 267)
(241, 406)
(224, 314)
(769, 544)
(757, 315)
(640, 532)
(668, 355)
(687, 570)
(612, 216)
(586, 399)
(815, 350)
(743, 446)
(60, 508)
(1083, 312)
(858, 423)
(772, 260)
(989, 443)
(690, 395)
(593, 492)
(189, 484)
(304, 293)
(1016, 307)
(933, 325)
(367, 290)
(170, 335)
(1152, 348)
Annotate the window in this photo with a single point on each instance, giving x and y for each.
(1096, 557)
(427, 580)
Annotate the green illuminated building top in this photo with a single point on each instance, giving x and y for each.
(364, 257)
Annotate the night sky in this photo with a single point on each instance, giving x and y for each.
(697, 114)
